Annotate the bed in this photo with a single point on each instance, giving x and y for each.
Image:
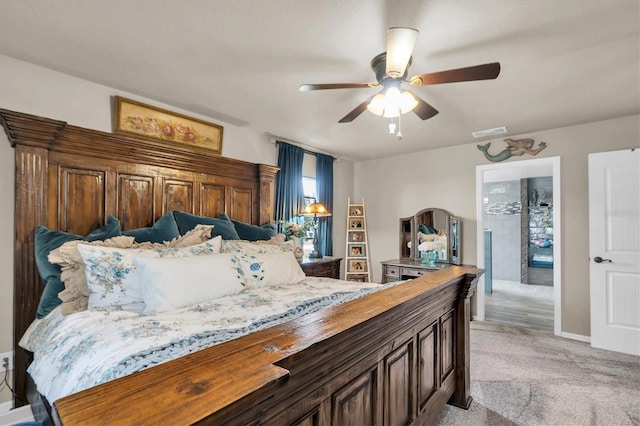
(394, 356)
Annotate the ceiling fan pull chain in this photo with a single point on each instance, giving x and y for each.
(399, 134)
(392, 127)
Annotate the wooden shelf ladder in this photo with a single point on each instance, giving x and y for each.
(357, 267)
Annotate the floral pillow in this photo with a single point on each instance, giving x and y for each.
(267, 269)
(274, 245)
(75, 296)
(111, 277)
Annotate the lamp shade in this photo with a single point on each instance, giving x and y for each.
(392, 100)
(315, 210)
(407, 102)
(376, 106)
(400, 43)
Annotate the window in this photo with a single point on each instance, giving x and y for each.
(309, 189)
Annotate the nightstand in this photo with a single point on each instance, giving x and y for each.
(327, 266)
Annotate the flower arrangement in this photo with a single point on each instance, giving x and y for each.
(293, 229)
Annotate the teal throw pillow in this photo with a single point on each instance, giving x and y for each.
(249, 232)
(187, 221)
(45, 242)
(426, 229)
(165, 229)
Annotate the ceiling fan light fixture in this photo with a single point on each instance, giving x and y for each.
(392, 103)
(391, 68)
(407, 102)
(391, 112)
(400, 44)
(376, 106)
(392, 100)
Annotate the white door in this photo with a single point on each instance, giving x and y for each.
(614, 250)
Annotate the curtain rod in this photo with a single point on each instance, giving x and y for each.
(275, 139)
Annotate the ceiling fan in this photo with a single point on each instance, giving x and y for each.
(391, 68)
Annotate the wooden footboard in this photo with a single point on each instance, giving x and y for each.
(394, 357)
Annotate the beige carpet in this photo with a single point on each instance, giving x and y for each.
(521, 376)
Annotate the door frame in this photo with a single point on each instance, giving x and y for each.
(519, 170)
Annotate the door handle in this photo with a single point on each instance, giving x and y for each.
(598, 259)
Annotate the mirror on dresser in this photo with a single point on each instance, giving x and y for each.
(437, 233)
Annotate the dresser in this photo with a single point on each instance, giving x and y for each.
(322, 267)
(406, 269)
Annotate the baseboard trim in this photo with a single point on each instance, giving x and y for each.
(19, 415)
(579, 337)
(6, 406)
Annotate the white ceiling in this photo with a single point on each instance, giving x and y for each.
(564, 62)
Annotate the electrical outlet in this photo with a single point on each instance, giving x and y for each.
(8, 355)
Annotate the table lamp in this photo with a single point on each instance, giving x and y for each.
(315, 210)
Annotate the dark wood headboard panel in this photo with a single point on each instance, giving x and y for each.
(70, 178)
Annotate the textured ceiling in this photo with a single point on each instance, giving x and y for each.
(564, 62)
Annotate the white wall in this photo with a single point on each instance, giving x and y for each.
(40, 91)
(342, 190)
(445, 178)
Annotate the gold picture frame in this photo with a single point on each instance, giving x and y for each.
(145, 120)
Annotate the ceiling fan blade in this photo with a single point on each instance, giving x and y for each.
(355, 112)
(400, 43)
(423, 109)
(478, 72)
(307, 87)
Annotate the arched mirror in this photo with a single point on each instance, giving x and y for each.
(435, 231)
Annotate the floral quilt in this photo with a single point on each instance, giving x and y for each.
(81, 350)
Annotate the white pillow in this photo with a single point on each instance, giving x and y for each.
(266, 269)
(179, 282)
(183, 281)
(110, 272)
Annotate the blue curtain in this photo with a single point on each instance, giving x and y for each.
(289, 191)
(324, 187)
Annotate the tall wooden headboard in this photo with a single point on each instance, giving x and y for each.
(70, 178)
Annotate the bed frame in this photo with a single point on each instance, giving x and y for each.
(393, 357)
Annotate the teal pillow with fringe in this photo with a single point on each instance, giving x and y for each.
(187, 221)
(165, 229)
(47, 241)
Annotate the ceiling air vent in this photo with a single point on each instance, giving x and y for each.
(489, 132)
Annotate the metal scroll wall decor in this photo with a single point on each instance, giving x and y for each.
(514, 147)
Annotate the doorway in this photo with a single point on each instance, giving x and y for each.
(512, 171)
